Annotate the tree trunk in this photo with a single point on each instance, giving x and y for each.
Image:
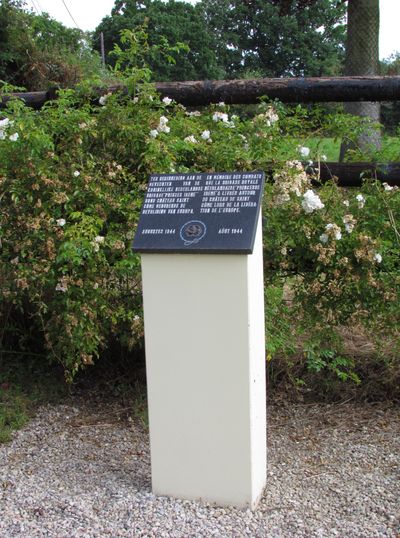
(362, 58)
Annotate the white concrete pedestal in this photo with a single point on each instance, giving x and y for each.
(205, 360)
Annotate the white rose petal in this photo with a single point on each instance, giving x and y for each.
(14, 137)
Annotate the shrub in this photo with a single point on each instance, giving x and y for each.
(72, 180)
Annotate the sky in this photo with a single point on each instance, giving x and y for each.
(87, 14)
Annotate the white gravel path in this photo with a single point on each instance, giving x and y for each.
(79, 470)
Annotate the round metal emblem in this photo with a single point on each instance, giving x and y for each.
(192, 232)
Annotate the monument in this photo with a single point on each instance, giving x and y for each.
(200, 241)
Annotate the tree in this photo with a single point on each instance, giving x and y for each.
(362, 59)
(277, 37)
(37, 51)
(178, 22)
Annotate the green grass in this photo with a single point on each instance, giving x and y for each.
(25, 383)
(330, 147)
(14, 410)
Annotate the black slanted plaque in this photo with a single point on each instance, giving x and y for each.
(200, 213)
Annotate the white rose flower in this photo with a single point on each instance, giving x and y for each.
(205, 135)
(378, 257)
(304, 151)
(311, 202)
(153, 133)
(387, 187)
(220, 116)
(61, 287)
(103, 99)
(361, 200)
(61, 222)
(323, 238)
(167, 101)
(77, 173)
(99, 239)
(337, 234)
(14, 137)
(191, 139)
(221, 103)
(162, 125)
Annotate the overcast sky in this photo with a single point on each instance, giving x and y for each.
(88, 14)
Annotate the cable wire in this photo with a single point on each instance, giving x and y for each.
(40, 7)
(35, 7)
(69, 13)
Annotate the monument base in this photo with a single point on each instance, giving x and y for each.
(205, 361)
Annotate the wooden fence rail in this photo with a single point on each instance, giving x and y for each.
(288, 90)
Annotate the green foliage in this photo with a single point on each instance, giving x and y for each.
(72, 181)
(235, 39)
(37, 51)
(172, 22)
(273, 38)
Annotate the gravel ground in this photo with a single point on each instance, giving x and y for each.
(83, 470)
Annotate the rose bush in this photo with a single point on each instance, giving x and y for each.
(72, 180)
